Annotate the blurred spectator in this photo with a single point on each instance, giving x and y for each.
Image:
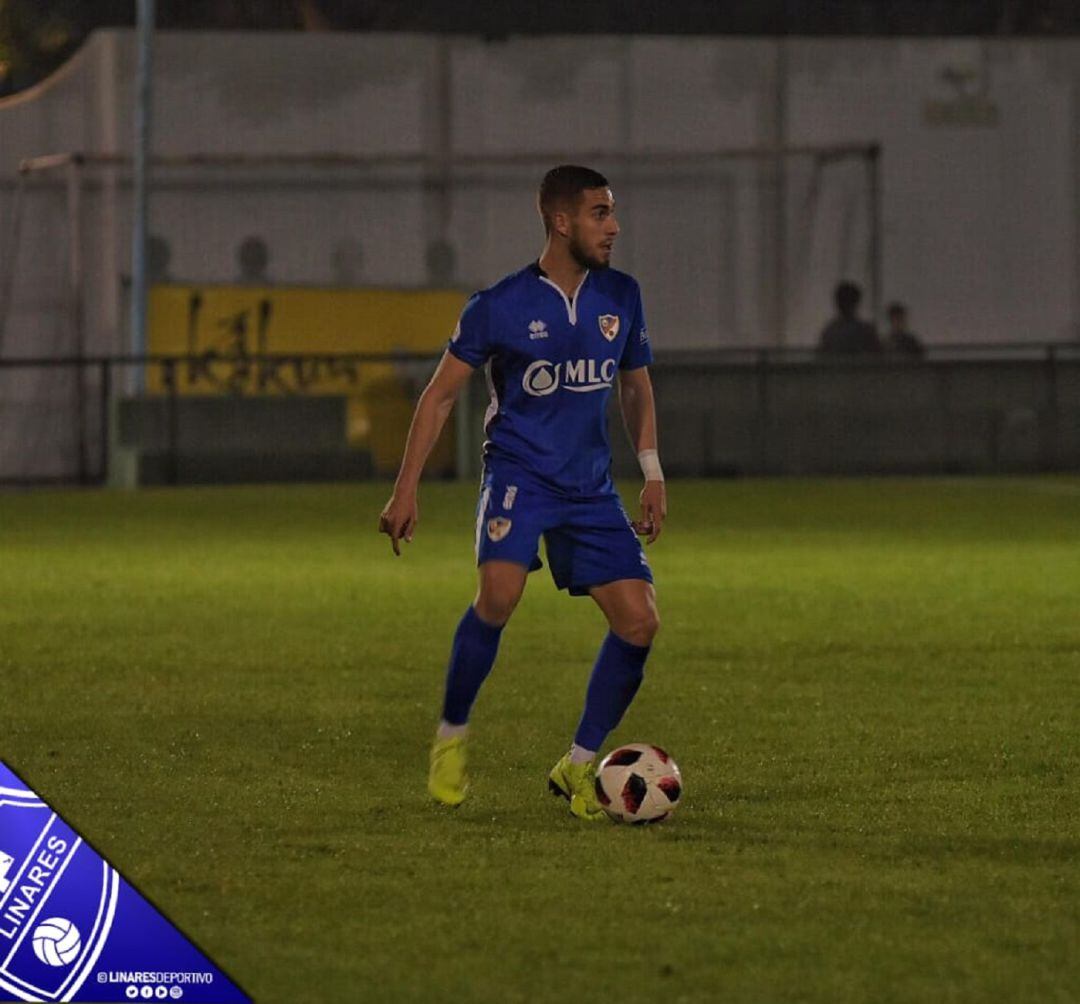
(347, 262)
(441, 262)
(845, 334)
(253, 260)
(158, 258)
(899, 340)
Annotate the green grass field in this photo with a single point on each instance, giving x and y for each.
(872, 688)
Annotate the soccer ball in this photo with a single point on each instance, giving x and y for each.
(638, 783)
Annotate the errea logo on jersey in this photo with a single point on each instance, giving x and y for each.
(544, 377)
(537, 329)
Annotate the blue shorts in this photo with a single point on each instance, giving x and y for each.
(588, 542)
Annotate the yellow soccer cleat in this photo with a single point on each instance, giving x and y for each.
(576, 782)
(447, 780)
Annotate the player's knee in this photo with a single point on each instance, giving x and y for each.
(494, 609)
(641, 628)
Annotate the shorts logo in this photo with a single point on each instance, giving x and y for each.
(644, 337)
(508, 498)
(609, 326)
(497, 528)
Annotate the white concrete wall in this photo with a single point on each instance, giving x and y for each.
(980, 223)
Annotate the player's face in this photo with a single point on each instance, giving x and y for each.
(593, 228)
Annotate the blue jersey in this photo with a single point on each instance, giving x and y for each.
(552, 361)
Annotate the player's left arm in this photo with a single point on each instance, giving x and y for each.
(639, 413)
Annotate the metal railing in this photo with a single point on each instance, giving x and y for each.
(756, 411)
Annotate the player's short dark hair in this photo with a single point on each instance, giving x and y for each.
(847, 296)
(562, 186)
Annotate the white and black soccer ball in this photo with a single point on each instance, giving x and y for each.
(638, 783)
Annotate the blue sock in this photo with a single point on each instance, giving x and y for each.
(616, 676)
(471, 658)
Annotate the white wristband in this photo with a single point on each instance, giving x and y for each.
(650, 465)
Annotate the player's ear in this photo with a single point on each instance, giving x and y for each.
(560, 222)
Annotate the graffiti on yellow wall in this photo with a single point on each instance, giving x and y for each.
(248, 340)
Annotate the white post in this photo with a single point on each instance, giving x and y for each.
(780, 259)
(7, 280)
(771, 168)
(75, 306)
(877, 224)
(109, 326)
(143, 100)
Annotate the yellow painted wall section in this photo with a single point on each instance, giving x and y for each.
(226, 327)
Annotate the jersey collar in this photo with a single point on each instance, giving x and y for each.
(570, 301)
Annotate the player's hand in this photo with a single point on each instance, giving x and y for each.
(399, 518)
(653, 511)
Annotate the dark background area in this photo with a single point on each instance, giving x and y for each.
(36, 36)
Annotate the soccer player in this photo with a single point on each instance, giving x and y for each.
(555, 337)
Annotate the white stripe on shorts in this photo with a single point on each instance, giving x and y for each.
(480, 513)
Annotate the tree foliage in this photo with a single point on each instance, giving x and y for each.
(36, 36)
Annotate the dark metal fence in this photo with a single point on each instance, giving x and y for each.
(209, 417)
(961, 409)
(135, 419)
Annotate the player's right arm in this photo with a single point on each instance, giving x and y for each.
(400, 515)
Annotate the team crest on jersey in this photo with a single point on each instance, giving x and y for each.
(537, 329)
(609, 326)
(498, 527)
